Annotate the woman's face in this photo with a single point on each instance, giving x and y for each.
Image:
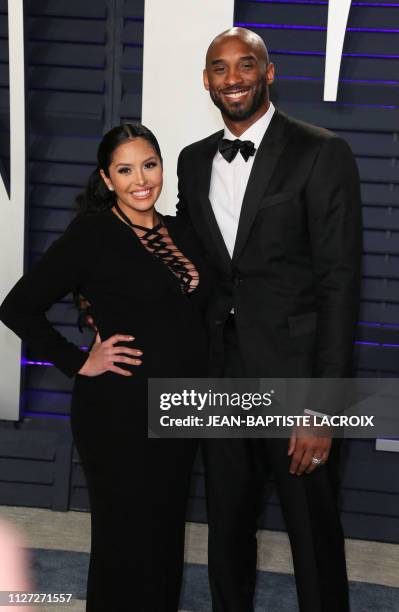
(135, 174)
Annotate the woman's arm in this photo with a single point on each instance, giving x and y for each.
(65, 267)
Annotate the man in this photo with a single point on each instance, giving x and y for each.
(276, 205)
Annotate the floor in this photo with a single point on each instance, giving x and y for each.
(60, 542)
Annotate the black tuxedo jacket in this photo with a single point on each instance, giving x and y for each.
(294, 278)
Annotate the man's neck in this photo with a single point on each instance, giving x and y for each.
(239, 127)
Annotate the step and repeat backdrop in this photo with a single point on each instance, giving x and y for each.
(85, 72)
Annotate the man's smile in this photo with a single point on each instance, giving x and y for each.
(236, 95)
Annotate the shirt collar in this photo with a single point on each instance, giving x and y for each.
(256, 132)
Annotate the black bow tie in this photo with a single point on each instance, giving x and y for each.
(230, 148)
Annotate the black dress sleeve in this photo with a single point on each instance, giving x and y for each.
(65, 267)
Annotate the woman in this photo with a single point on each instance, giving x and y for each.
(143, 274)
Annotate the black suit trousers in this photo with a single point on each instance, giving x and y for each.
(235, 477)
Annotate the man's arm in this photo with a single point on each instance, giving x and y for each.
(335, 226)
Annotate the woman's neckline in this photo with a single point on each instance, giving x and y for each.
(123, 218)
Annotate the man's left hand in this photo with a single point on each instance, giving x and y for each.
(304, 445)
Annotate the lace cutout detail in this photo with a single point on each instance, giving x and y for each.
(158, 242)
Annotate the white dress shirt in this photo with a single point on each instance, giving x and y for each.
(229, 180)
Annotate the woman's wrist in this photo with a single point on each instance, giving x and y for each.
(83, 368)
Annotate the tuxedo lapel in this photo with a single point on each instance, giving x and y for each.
(263, 167)
(204, 172)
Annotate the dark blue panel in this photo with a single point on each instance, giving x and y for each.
(74, 175)
(381, 289)
(59, 29)
(45, 78)
(380, 312)
(381, 266)
(133, 9)
(68, 8)
(378, 334)
(313, 15)
(64, 54)
(373, 144)
(64, 149)
(21, 470)
(53, 196)
(47, 379)
(133, 32)
(309, 88)
(375, 241)
(379, 358)
(131, 105)
(132, 58)
(353, 68)
(313, 42)
(379, 217)
(52, 220)
(380, 195)
(50, 402)
(4, 74)
(344, 117)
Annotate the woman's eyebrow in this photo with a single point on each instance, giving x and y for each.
(144, 161)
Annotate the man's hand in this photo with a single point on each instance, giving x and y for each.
(305, 444)
(104, 355)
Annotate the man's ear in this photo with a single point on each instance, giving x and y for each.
(206, 80)
(270, 73)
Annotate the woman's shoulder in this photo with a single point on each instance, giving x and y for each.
(85, 229)
(84, 222)
(87, 219)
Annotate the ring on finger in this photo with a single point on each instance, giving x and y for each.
(316, 461)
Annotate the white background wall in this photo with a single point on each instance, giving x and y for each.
(176, 106)
(12, 214)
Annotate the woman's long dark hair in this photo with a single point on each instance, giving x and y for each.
(97, 197)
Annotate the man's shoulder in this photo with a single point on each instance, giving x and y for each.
(308, 135)
(313, 133)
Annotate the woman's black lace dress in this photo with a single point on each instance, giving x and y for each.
(153, 285)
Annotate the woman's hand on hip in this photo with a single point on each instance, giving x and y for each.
(104, 356)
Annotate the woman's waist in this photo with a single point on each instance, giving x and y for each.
(156, 332)
(118, 388)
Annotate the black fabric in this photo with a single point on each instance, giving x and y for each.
(297, 253)
(229, 149)
(138, 487)
(294, 284)
(308, 504)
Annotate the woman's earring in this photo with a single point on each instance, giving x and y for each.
(110, 188)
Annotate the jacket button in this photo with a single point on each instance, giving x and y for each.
(237, 281)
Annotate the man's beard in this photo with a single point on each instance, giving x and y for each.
(241, 114)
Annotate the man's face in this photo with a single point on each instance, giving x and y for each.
(237, 78)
